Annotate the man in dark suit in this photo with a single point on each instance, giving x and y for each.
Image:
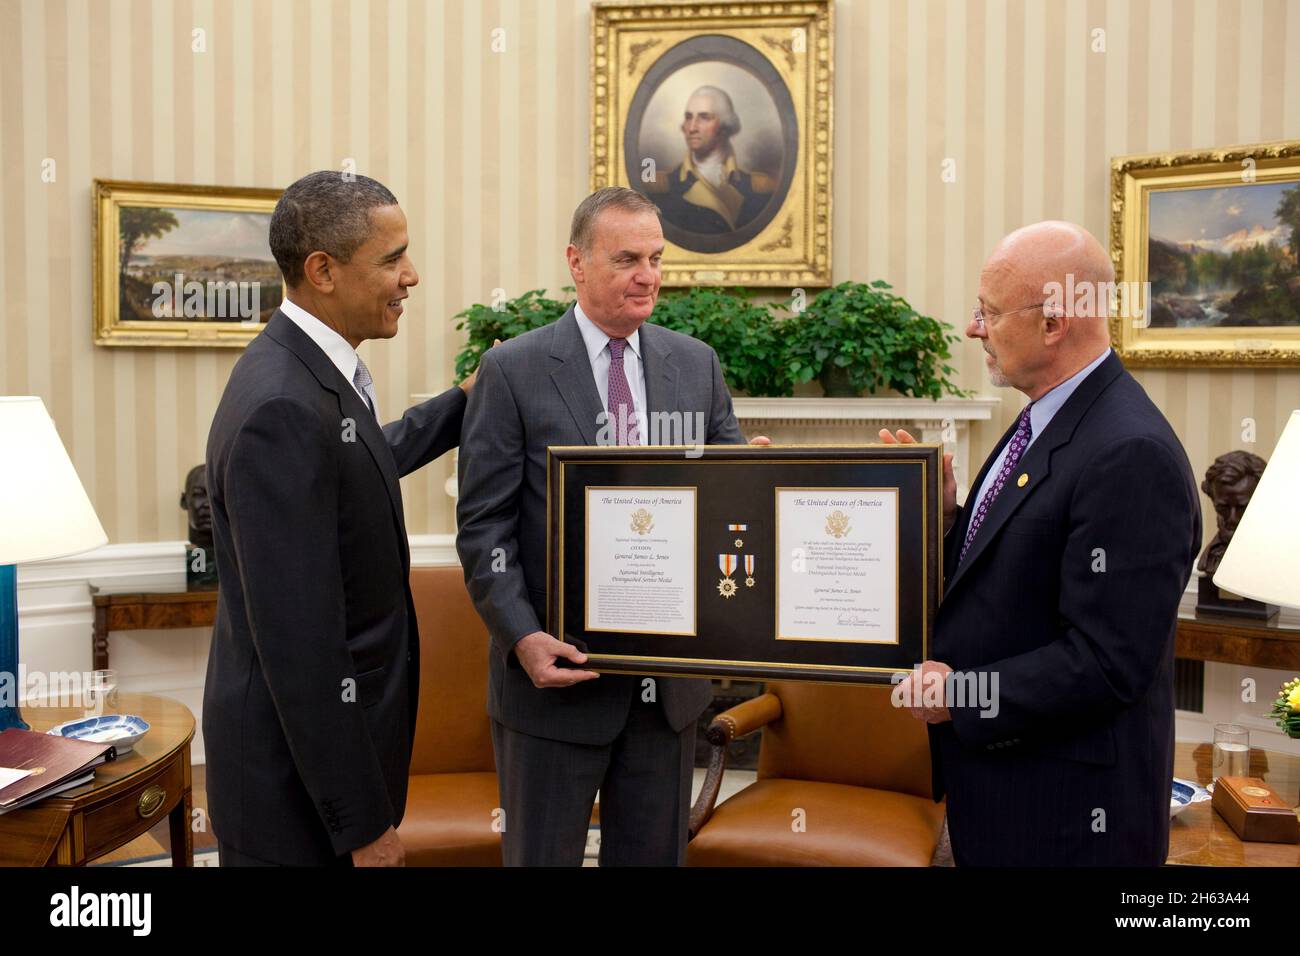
(560, 733)
(1063, 575)
(309, 704)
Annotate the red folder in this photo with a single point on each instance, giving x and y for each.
(55, 760)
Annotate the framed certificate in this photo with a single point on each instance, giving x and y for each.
(815, 563)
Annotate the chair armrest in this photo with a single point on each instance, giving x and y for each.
(743, 719)
(732, 724)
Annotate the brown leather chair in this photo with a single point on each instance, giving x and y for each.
(453, 789)
(843, 780)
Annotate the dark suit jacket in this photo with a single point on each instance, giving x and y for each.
(309, 705)
(1069, 594)
(670, 195)
(533, 391)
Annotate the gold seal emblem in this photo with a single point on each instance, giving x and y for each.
(642, 521)
(727, 588)
(837, 524)
(1254, 791)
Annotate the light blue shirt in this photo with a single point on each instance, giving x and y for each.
(597, 343)
(1040, 414)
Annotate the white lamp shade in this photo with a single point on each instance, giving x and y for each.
(1263, 557)
(44, 511)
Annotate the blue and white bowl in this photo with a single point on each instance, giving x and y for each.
(120, 730)
(1184, 794)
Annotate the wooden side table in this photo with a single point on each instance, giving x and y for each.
(165, 610)
(1232, 640)
(128, 796)
(1200, 837)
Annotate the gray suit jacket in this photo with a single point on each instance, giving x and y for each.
(534, 391)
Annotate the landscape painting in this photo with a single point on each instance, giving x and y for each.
(164, 251)
(1206, 249)
(1225, 257)
(182, 265)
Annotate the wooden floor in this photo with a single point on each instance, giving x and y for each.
(157, 842)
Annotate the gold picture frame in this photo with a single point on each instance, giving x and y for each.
(198, 270)
(1208, 265)
(756, 212)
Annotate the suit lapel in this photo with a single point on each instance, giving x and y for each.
(660, 371)
(286, 332)
(1035, 466)
(573, 378)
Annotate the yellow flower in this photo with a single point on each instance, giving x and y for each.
(1293, 698)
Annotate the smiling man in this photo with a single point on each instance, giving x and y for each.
(309, 703)
(560, 732)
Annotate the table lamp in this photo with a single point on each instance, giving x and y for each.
(1263, 557)
(44, 513)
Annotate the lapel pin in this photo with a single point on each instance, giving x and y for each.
(1022, 481)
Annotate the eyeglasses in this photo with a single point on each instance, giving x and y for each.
(977, 314)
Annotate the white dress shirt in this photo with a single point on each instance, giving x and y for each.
(335, 347)
(597, 343)
(1043, 411)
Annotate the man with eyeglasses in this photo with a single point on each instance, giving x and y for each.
(1062, 577)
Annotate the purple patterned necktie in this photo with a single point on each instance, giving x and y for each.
(1019, 442)
(621, 409)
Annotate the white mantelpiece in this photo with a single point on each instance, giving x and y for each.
(846, 421)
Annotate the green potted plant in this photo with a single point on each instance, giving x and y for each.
(513, 317)
(857, 338)
(749, 342)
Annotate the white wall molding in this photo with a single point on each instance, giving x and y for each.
(433, 550)
(56, 616)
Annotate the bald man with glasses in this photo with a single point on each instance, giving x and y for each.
(1063, 572)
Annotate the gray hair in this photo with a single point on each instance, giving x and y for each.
(722, 106)
(326, 211)
(611, 197)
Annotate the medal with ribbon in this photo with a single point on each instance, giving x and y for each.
(749, 570)
(727, 564)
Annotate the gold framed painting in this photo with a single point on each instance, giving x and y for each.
(722, 115)
(1207, 247)
(182, 266)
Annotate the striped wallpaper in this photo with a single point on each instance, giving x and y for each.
(487, 152)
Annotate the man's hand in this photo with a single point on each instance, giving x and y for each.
(469, 382)
(902, 437)
(760, 440)
(906, 690)
(386, 851)
(538, 652)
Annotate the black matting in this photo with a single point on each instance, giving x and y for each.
(735, 637)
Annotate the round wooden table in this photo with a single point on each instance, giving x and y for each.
(128, 796)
